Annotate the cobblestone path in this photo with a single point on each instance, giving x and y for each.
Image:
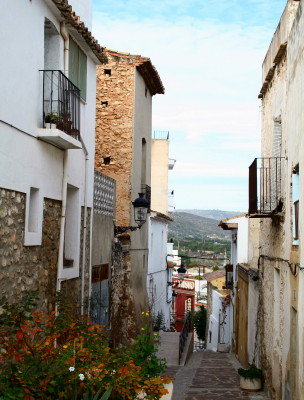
(209, 376)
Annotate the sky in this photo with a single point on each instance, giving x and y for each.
(209, 56)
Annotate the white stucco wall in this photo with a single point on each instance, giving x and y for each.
(27, 160)
(215, 319)
(160, 294)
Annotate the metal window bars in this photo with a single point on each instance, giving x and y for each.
(61, 102)
(265, 175)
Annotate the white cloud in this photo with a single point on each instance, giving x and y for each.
(212, 75)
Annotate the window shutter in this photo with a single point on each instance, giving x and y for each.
(82, 74)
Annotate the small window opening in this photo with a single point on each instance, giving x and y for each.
(33, 210)
(104, 104)
(146, 91)
(107, 160)
(107, 72)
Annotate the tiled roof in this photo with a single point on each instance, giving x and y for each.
(69, 15)
(145, 68)
(210, 276)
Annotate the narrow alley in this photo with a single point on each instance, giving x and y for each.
(208, 375)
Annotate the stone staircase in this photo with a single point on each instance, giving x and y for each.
(169, 347)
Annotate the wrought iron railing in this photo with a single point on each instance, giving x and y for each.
(183, 336)
(61, 103)
(265, 175)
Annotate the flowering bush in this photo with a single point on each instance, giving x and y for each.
(47, 356)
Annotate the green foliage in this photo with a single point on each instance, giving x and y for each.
(216, 268)
(158, 321)
(199, 320)
(64, 356)
(144, 353)
(252, 372)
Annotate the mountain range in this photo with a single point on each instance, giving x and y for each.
(199, 223)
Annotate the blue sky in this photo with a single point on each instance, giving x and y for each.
(209, 56)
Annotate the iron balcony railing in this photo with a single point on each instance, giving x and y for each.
(265, 175)
(61, 103)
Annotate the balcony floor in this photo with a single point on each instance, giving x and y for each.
(59, 139)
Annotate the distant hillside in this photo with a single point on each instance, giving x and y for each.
(213, 214)
(187, 224)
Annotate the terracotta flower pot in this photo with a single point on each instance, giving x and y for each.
(253, 385)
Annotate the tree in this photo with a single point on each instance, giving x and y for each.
(199, 323)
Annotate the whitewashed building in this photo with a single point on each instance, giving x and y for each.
(160, 261)
(47, 76)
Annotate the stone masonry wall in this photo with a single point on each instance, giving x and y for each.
(122, 313)
(25, 268)
(28, 268)
(114, 129)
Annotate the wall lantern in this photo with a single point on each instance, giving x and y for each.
(181, 271)
(141, 206)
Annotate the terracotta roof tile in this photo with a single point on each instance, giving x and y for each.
(70, 16)
(210, 276)
(145, 68)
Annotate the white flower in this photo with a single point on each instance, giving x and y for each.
(72, 369)
(81, 377)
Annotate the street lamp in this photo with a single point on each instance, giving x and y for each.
(181, 271)
(141, 206)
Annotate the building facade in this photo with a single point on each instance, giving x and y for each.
(275, 194)
(125, 87)
(47, 170)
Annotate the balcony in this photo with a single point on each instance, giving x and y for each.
(265, 197)
(61, 111)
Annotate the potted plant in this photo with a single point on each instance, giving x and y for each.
(250, 378)
(50, 121)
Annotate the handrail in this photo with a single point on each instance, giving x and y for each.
(183, 336)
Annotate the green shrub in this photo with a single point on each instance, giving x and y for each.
(252, 372)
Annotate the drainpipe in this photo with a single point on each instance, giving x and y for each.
(65, 35)
(62, 221)
(84, 230)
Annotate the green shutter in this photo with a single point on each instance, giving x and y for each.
(83, 74)
(73, 62)
(78, 68)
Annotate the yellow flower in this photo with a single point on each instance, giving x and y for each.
(143, 313)
(147, 313)
(142, 329)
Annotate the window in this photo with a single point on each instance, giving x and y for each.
(33, 218)
(295, 205)
(72, 234)
(78, 68)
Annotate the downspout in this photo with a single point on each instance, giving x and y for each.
(62, 221)
(84, 231)
(84, 247)
(65, 36)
